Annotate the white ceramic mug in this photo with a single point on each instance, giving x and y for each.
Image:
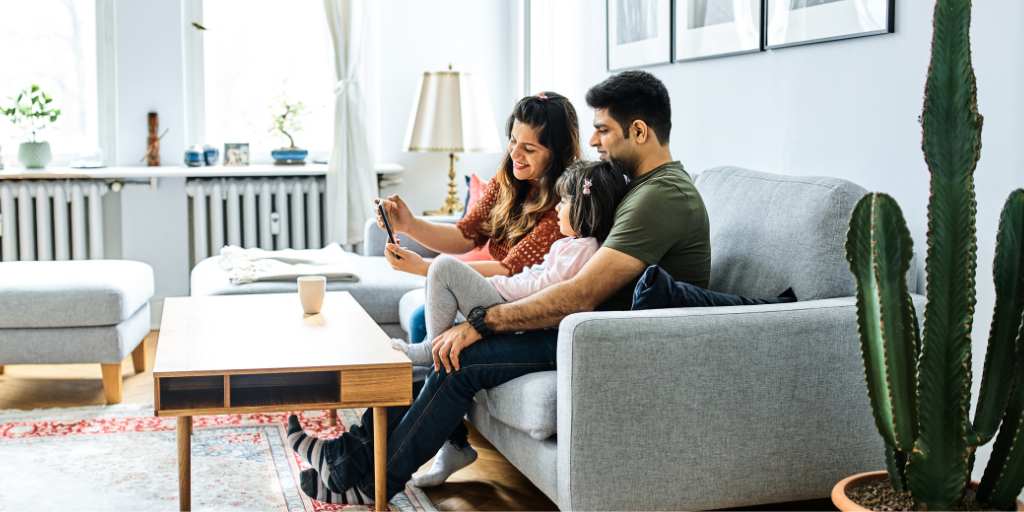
(311, 293)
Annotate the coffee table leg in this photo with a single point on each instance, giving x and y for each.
(185, 462)
(380, 457)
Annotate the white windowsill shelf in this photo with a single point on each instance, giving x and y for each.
(217, 171)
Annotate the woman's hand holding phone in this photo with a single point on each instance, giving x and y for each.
(399, 214)
(405, 260)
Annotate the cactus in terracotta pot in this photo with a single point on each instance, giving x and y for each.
(920, 383)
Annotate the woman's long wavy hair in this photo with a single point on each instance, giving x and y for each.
(520, 205)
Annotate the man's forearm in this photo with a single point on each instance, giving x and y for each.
(538, 311)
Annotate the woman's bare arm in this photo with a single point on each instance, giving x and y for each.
(439, 237)
(489, 268)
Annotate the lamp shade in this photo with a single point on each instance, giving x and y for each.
(452, 114)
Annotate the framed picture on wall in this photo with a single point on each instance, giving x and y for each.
(639, 33)
(793, 22)
(716, 28)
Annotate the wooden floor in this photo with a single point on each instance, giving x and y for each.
(490, 483)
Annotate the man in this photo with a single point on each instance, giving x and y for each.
(661, 221)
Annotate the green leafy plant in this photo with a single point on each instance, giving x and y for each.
(920, 385)
(32, 110)
(286, 120)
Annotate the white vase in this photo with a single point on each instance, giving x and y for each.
(34, 155)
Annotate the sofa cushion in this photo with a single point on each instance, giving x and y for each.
(105, 344)
(771, 232)
(527, 403)
(78, 293)
(378, 290)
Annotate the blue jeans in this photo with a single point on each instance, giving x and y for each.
(418, 334)
(417, 432)
(418, 325)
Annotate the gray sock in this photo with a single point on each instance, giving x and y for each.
(449, 459)
(419, 353)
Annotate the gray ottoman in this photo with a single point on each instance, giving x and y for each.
(88, 311)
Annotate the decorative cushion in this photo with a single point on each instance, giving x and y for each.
(770, 232)
(527, 403)
(78, 293)
(476, 189)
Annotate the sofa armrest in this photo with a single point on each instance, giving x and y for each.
(711, 407)
(374, 239)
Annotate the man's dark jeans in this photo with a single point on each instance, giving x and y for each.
(417, 432)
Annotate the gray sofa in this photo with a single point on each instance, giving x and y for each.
(707, 407)
(690, 408)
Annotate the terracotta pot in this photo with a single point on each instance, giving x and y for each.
(845, 504)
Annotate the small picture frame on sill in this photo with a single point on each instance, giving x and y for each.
(236, 154)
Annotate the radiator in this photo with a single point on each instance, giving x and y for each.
(51, 220)
(270, 213)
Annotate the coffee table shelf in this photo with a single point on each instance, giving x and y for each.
(258, 353)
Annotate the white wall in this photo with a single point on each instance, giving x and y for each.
(846, 109)
(152, 223)
(410, 37)
(414, 37)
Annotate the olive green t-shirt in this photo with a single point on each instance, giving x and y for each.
(662, 221)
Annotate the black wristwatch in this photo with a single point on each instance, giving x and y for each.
(476, 319)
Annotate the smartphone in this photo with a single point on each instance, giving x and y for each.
(387, 225)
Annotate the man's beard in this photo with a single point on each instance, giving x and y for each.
(627, 164)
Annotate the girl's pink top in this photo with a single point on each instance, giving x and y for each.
(566, 257)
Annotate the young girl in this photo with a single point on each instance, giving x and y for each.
(590, 191)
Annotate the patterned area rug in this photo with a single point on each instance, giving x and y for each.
(124, 458)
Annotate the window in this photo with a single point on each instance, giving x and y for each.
(256, 54)
(52, 43)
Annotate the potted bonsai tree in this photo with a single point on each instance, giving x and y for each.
(33, 112)
(286, 122)
(919, 384)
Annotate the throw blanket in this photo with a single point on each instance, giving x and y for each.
(253, 265)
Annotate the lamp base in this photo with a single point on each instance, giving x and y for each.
(452, 205)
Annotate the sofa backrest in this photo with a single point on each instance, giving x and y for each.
(770, 232)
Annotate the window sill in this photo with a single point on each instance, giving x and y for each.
(216, 171)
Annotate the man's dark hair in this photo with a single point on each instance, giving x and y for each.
(633, 95)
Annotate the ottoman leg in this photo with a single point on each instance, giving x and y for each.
(139, 357)
(112, 387)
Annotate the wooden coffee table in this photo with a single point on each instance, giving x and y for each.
(259, 353)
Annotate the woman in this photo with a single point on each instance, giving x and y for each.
(515, 217)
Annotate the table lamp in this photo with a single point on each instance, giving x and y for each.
(452, 114)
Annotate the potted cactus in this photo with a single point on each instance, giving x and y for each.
(919, 384)
(32, 110)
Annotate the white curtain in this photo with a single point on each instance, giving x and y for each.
(351, 179)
